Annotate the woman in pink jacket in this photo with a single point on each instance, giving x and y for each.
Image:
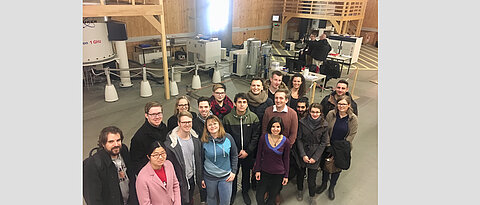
(157, 183)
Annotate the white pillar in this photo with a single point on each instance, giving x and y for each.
(121, 48)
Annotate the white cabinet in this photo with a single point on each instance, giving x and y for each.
(349, 46)
(203, 51)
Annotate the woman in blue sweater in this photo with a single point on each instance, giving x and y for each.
(220, 161)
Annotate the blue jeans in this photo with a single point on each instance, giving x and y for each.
(218, 190)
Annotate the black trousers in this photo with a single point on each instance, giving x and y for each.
(311, 180)
(333, 177)
(271, 184)
(246, 168)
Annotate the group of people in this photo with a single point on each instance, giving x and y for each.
(271, 132)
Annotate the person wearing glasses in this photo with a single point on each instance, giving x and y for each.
(220, 162)
(330, 101)
(220, 104)
(156, 181)
(342, 128)
(311, 142)
(107, 174)
(153, 129)
(184, 151)
(182, 104)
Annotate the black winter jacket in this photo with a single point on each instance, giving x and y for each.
(341, 153)
(142, 140)
(318, 49)
(100, 179)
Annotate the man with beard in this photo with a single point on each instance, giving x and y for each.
(302, 106)
(107, 173)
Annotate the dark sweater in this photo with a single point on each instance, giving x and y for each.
(273, 160)
(340, 129)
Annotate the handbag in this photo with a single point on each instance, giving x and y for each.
(329, 165)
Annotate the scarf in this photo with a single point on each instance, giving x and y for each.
(256, 100)
(202, 119)
(220, 111)
(313, 124)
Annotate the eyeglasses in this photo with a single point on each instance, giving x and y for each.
(315, 112)
(156, 114)
(218, 93)
(186, 122)
(342, 104)
(182, 105)
(156, 156)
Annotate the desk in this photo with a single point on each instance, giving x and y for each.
(171, 46)
(342, 59)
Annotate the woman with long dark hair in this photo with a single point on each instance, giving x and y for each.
(272, 162)
(297, 87)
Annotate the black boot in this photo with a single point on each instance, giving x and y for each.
(331, 193)
(321, 188)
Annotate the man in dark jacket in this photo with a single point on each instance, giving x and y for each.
(318, 50)
(152, 130)
(107, 174)
(330, 101)
(244, 127)
(184, 150)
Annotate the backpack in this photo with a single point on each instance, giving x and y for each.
(97, 161)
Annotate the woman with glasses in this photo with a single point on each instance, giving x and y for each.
(182, 104)
(312, 138)
(220, 161)
(156, 182)
(272, 162)
(342, 128)
(297, 90)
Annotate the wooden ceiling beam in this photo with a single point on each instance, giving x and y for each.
(121, 10)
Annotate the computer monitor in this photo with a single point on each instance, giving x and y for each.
(275, 18)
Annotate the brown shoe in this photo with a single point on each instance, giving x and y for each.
(278, 199)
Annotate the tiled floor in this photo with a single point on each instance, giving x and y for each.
(358, 185)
